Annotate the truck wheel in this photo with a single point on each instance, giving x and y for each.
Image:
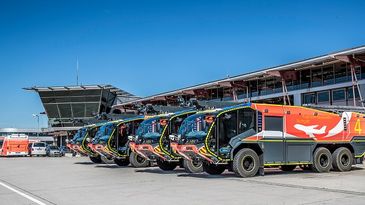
(137, 161)
(287, 168)
(121, 162)
(322, 160)
(193, 166)
(106, 160)
(342, 159)
(166, 166)
(213, 169)
(246, 163)
(96, 160)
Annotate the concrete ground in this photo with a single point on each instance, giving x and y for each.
(78, 181)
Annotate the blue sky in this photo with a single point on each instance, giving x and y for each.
(147, 47)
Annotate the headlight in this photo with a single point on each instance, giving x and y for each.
(175, 137)
(67, 141)
(131, 138)
(172, 137)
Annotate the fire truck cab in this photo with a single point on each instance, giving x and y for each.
(111, 142)
(152, 141)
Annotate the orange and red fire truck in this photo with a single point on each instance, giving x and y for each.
(14, 145)
(248, 137)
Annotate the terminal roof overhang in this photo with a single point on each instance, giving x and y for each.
(357, 54)
(75, 105)
(117, 91)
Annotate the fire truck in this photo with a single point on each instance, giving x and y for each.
(14, 145)
(111, 142)
(152, 141)
(79, 142)
(246, 138)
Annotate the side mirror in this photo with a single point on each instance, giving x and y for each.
(227, 116)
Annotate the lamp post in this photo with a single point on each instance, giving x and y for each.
(37, 116)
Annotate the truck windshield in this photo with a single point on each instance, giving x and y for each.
(105, 130)
(150, 128)
(195, 126)
(1, 143)
(80, 134)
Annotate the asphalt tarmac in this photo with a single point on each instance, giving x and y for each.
(42, 180)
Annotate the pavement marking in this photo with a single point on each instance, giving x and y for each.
(22, 194)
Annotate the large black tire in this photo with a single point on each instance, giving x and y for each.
(213, 169)
(106, 160)
(166, 166)
(246, 163)
(322, 160)
(342, 159)
(137, 161)
(287, 168)
(193, 166)
(96, 160)
(121, 162)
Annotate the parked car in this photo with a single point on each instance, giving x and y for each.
(37, 149)
(53, 151)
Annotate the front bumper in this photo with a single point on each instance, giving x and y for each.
(147, 151)
(191, 152)
(17, 154)
(39, 152)
(77, 148)
(55, 154)
(102, 150)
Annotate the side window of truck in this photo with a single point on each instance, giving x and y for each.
(228, 127)
(246, 120)
(274, 123)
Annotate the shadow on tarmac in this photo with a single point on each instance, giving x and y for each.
(159, 171)
(85, 163)
(268, 172)
(111, 166)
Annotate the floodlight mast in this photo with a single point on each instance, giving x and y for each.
(77, 70)
(37, 116)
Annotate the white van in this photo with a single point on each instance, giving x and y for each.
(37, 148)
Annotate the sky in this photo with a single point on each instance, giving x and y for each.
(147, 47)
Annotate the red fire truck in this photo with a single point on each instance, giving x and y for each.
(14, 145)
(248, 137)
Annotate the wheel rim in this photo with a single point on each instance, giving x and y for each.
(323, 160)
(140, 159)
(248, 163)
(197, 164)
(345, 160)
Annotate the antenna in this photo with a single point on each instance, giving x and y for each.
(77, 70)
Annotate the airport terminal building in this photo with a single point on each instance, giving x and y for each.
(333, 79)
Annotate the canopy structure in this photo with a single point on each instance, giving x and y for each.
(74, 106)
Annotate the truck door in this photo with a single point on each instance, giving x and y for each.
(273, 139)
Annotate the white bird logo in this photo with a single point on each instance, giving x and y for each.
(310, 130)
(340, 127)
